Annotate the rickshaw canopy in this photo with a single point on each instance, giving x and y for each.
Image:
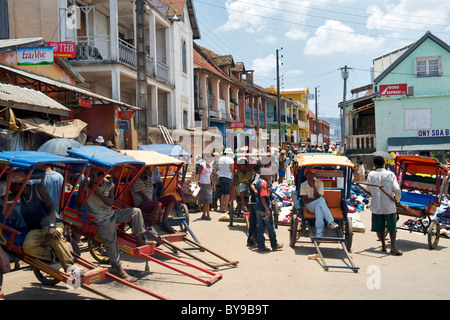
(31, 159)
(174, 150)
(421, 165)
(152, 158)
(103, 157)
(320, 159)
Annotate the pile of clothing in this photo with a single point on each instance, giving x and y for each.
(282, 195)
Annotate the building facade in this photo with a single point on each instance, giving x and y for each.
(226, 98)
(106, 37)
(414, 98)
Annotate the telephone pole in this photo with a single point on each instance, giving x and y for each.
(278, 99)
(345, 74)
(143, 122)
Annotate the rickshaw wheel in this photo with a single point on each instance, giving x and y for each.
(293, 230)
(185, 213)
(45, 278)
(98, 251)
(348, 234)
(434, 230)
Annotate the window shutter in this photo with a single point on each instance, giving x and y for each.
(441, 66)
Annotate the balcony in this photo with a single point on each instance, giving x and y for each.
(97, 50)
(361, 143)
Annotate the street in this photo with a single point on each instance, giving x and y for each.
(282, 275)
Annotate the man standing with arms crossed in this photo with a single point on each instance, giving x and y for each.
(384, 212)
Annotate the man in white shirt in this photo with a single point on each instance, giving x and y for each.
(384, 211)
(226, 169)
(312, 191)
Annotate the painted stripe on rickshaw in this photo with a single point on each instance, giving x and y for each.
(125, 249)
(3, 239)
(78, 224)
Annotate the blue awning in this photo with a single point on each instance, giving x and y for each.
(102, 156)
(173, 150)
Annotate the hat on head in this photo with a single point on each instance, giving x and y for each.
(99, 139)
(109, 143)
(228, 151)
(309, 169)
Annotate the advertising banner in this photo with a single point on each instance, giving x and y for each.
(394, 89)
(63, 49)
(34, 56)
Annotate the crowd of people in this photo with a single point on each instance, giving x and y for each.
(253, 183)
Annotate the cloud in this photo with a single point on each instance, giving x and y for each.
(267, 39)
(266, 66)
(335, 37)
(408, 14)
(296, 34)
(250, 15)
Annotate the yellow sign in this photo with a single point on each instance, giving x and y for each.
(294, 127)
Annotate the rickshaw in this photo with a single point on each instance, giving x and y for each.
(423, 182)
(250, 159)
(124, 171)
(169, 167)
(336, 174)
(25, 165)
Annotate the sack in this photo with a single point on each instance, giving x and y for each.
(196, 191)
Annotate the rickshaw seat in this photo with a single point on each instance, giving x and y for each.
(333, 199)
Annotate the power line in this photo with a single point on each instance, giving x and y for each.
(310, 26)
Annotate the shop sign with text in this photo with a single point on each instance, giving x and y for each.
(394, 89)
(34, 56)
(63, 49)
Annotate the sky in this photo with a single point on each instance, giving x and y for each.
(315, 39)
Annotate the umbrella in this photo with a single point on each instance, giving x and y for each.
(383, 154)
(59, 146)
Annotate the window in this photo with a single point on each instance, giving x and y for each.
(183, 56)
(417, 119)
(428, 67)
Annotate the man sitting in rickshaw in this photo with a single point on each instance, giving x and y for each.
(243, 177)
(144, 198)
(99, 204)
(39, 213)
(312, 192)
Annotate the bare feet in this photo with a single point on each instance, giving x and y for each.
(396, 252)
(124, 275)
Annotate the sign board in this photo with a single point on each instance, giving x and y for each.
(394, 89)
(236, 125)
(125, 115)
(434, 133)
(27, 56)
(310, 96)
(63, 49)
(77, 103)
(294, 127)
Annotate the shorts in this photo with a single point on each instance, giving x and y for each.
(226, 185)
(382, 221)
(281, 173)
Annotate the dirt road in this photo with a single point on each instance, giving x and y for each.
(282, 275)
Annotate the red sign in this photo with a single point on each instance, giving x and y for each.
(236, 125)
(125, 115)
(394, 89)
(63, 49)
(84, 103)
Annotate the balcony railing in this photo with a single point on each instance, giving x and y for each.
(358, 142)
(98, 48)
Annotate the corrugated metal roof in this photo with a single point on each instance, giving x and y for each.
(29, 99)
(66, 86)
